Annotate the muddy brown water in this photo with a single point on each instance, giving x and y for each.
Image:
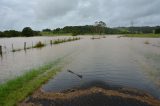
(110, 61)
(13, 64)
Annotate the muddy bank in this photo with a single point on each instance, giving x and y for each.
(94, 96)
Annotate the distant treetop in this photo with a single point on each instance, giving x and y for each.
(100, 24)
(27, 31)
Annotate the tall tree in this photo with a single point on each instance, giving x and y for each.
(100, 27)
(27, 31)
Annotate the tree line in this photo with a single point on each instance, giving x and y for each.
(142, 29)
(26, 32)
(99, 27)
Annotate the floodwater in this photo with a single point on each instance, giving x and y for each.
(113, 61)
(13, 64)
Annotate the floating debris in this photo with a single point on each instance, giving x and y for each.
(80, 76)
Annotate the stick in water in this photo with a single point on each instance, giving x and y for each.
(80, 76)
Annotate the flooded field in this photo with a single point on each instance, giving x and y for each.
(13, 64)
(110, 61)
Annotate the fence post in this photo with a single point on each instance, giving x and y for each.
(51, 42)
(0, 50)
(24, 45)
(12, 48)
(32, 44)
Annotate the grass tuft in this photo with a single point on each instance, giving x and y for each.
(146, 42)
(39, 45)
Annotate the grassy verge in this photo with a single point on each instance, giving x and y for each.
(143, 35)
(58, 34)
(16, 90)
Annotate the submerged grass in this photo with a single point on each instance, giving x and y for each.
(143, 35)
(14, 91)
(16, 50)
(55, 34)
(66, 40)
(146, 42)
(39, 45)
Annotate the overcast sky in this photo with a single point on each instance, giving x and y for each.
(40, 14)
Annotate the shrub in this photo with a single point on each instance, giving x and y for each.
(146, 42)
(157, 31)
(39, 45)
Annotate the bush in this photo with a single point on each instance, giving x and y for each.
(146, 42)
(2, 34)
(37, 33)
(75, 33)
(157, 31)
(39, 45)
(10, 33)
(27, 31)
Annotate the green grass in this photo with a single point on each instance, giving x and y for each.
(52, 34)
(16, 90)
(143, 35)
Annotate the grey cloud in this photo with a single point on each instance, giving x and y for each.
(39, 14)
(54, 8)
(14, 14)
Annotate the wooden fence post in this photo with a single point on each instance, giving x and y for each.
(51, 42)
(12, 48)
(0, 50)
(32, 44)
(24, 45)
